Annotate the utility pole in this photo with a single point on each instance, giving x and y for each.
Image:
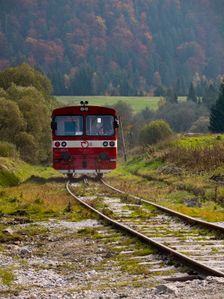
(123, 141)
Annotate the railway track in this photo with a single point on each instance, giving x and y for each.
(170, 232)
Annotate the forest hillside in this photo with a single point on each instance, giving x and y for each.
(114, 47)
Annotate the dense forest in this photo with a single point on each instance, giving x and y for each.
(114, 47)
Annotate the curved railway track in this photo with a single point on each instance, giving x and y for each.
(170, 235)
(187, 218)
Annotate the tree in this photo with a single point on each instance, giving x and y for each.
(181, 115)
(82, 81)
(216, 124)
(25, 75)
(160, 91)
(36, 114)
(8, 149)
(147, 114)
(154, 132)
(3, 93)
(27, 144)
(191, 94)
(137, 35)
(171, 96)
(25, 112)
(125, 114)
(200, 125)
(211, 94)
(11, 120)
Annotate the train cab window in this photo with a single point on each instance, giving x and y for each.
(100, 125)
(69, 125)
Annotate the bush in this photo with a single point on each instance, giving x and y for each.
(181, 116)
(154, 132)
(200, 125)
(7, 150)
(27, 147)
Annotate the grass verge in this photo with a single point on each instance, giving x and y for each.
(174, 183)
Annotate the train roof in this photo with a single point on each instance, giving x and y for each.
(77, 110)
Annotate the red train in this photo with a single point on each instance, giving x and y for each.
(84, 139)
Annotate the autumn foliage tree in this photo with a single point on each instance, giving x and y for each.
(147, 44)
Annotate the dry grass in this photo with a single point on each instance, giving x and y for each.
(199, 159)
(51, 196)
(173, 198)
(41, 201)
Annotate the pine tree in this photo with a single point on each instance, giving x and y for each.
(211, 94)
(191, 94)
(171, 96)
(217, 113)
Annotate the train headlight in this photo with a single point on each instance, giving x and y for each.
(66, 156)
(57, 144)
(105, 143)
(112, 143)
(64, 144)
(104, 156)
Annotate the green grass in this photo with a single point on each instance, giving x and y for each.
(6, 275)
(199, 141)
(141, 175)
(13, 172)
(35, 199)
(137, 103)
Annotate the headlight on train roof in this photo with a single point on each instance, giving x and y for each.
(84, 108)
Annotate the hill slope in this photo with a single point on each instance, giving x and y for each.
(114, 47)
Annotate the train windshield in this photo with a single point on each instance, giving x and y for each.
(69, 125)
(100, 125)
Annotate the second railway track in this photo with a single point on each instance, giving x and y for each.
(199, 249)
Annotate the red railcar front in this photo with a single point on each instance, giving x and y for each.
(84, 139)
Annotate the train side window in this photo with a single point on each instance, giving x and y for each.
(69, 125)
(100, 125)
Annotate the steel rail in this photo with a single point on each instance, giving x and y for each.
(170, 211)
(198, 267)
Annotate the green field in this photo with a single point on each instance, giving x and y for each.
(137, 103)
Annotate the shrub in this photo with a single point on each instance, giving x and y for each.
(7, 149)
(197, 158)
(181, 116)
(200, 125)
(27, 147)
(154, 132)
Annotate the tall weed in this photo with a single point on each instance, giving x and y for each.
(197, 158)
